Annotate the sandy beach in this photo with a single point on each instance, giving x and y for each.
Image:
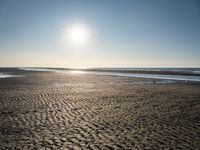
(48, 110)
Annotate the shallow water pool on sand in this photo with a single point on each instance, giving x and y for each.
(3, 75)
(149, 76)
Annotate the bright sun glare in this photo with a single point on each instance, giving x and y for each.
(78, 35)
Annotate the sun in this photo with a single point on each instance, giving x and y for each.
(78, 35)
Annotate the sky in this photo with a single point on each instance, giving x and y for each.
(124, 33)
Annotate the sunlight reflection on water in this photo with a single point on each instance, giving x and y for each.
(78, 72)
(134, 75)
(2, 75)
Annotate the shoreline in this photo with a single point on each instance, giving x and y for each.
(160, 75)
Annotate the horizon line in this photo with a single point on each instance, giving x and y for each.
(110, 67)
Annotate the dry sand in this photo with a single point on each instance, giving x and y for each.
(57, 111)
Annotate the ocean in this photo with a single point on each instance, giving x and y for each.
(173, 74)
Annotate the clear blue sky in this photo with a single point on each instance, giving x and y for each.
(127, 33)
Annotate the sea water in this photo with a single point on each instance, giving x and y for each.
(3, 75)
(113, 72)
(192, 71)
(151, 76)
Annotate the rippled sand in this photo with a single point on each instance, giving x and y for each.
(57, 111)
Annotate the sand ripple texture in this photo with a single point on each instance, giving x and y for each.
(56, 111)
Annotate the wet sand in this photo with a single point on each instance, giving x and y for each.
(46, 110)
